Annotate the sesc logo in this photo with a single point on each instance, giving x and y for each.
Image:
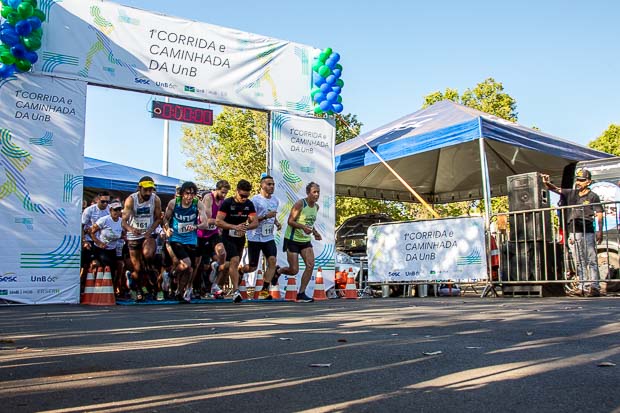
(8, 277)
(141, 81)
(394, 274)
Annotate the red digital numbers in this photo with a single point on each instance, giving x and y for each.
(182, 113)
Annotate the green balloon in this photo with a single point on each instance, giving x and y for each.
(322, 58)
(13, 17)
(38, 13)
(314, 91)
(338, 66)
(7, 58)
(23, 65)
(327, 52)
(325, 71)
(4, 48)
(339, 99)
(31, 43)
(340, 83)
(316, 66)
(6, 10)
(33, 3)
(317, 110)
(36, 33)
(25, 10)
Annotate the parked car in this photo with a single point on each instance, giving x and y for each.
(351, 239)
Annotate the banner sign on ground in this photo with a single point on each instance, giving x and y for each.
(303, 152)
(441, 249)
(41, 175)
(109, 44)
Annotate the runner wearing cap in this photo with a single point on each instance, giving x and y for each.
(90, 215)
(142, 214)
(106, 234)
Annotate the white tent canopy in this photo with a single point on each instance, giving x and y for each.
(440, 152)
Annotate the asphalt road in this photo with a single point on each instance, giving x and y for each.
(432, 354)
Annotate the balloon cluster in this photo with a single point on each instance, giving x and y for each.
(20, 35)
(326, 72)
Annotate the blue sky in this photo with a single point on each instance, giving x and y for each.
(560, 60)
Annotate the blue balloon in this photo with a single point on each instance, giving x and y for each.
(19, 51)
(336, 89)
(6, 25)
(331, 97)
(9, 37)
(331, 80)
(23, 27)
(337, 72)
(337, 107)
(325, 106)
(331, 63)
(319, 97)
(6, 70)
(318, 80)
(14, 3)
(31, 56)
(325, 88)
(335, 56)
(34, 21)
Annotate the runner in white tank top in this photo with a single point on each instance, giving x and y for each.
(141, 216)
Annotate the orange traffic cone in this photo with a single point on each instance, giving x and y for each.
(259, 284)
(103, 291)
(274, 292)
(89, 285)
(243, 289)
(291, 288)
(350, 291)
(319, 288)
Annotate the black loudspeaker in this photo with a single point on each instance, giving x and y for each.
(531, 261)
(526, 192)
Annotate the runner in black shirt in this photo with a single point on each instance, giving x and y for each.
(235, 217)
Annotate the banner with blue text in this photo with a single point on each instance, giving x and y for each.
(113, 45)
(302, 151)
(41, 176)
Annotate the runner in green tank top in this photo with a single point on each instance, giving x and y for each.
(298, 236)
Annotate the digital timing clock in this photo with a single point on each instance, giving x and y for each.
(181, 113)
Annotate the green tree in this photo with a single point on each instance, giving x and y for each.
(487, 96)
(233, 148)
(609, 141)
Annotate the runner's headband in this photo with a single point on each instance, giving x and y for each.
(147, 184)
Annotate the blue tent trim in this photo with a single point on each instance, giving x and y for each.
(446, 124)
(116, 177)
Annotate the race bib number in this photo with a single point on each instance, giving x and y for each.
(235, 234)
(141, 223)
(267, 230)
(185, 227)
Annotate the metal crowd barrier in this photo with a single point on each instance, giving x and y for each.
(534, 248)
